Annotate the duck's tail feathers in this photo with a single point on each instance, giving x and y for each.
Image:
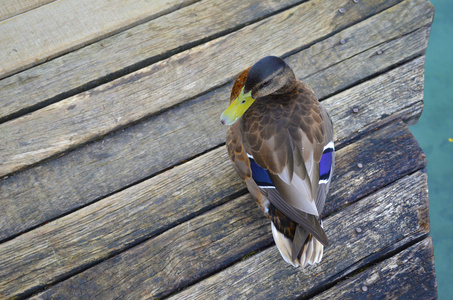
(303, 250)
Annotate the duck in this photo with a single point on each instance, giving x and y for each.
(280, 140)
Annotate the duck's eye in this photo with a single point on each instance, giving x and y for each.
(266, 83)
(243, 101)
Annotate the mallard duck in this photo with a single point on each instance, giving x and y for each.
(280, 140)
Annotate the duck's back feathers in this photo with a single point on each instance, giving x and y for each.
(286, 137)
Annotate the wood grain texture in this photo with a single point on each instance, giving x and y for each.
(363, 41)
(407, 275)
(386, 155)
(399, 92)
(11, 8)
(104, 228)
(126, 190)
(188, 251)
(396, 212)
(116, 222)
(172, 260)
(60, 185)
(62, 26)
(140, 45)
(94, 113)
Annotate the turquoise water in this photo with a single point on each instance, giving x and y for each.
(434, 132)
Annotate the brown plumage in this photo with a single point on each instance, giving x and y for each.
(286, 132)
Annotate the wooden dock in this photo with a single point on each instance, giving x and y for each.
(114, 178)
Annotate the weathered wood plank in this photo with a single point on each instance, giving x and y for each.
(94, 113)
(94, 233)
(125, 51)
(11, 8)
(169, 262)
(108, 226)
(399, 91)
(397, 212)
(61, 26)
(387, 32)
(407, 275)
(392, 154)
(201, 245)
(382, 57)
(33, 197)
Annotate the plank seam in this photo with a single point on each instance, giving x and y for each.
(230, 197)
(25, 11)
(375, 190)
(418, 54)
(376, 125)
(377, 74)
(129, 246)
(338, 30)
(151, 17)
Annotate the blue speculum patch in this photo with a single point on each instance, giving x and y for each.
(260, 175)
(325, 164)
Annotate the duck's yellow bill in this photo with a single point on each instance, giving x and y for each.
(237, 108)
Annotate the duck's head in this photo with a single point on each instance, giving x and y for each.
(269, 76)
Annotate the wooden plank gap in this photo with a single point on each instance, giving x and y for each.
(376, 258)
(398, 64)
(339, 29)
(377, 49)
(106, 18)
(11, 8)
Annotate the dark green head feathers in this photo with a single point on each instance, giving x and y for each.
(270, 75)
